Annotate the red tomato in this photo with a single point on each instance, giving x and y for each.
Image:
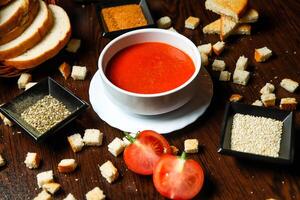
(177, 178)
(143, 154)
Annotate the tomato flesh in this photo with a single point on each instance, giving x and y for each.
(176, 178)
(142, 155)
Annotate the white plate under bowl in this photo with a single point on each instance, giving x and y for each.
(164, 123)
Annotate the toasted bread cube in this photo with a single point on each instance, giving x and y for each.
(164, 22)
(95, 194)
(67, 165)
(262, 54)
(29, 85)
(225, 76)
(204, 59)
(116, 147)
(43, 195)
(235, 98)
(2, 161)
(65, 70)
(76, 142)
(172, 29)
(289, 85)
(73, 45)
(219, 47)
(268, 88)
(205, 48)
(52, 188)
(288, 104)
(242, 63)
(268, 99)
(109, 171)
(241, 77)
(23, 80)
(79, 72)
(218, 65)
(44, 177)
(175, 150)
(7, 122)
(70, 197)
(191, 22)
(257, 103)
(191, 146)
(32, 160)
(92, 137)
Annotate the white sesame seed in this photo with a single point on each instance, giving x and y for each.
(257, 135)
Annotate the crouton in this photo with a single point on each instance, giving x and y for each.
(67, 165)
(262, 54)
(219, 47)
(191, 22)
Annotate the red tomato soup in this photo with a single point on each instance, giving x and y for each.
(149, 68)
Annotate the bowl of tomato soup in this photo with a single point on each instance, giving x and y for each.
(150, 71)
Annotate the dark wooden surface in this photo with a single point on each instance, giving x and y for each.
(226, 177)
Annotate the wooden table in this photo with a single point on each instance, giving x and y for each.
(226, 177)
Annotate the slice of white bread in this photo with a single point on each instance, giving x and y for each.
(4, 2)
(11, 15)
(50, 45)
(20, 28)
(215, 28)
(231, 8)
(31, 36)
(227, 26)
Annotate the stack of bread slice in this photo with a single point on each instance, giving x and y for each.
(235, 18)
(31, 32)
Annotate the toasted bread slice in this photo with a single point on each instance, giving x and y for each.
(4, 2)
(227, 26)
(250, 16)
(12, 14)
(49, 46)
(19, 29)
(231, 8)
(31, 36)
(214, 28)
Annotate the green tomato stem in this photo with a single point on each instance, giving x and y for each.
(129, 137)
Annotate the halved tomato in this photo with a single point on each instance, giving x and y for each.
(144, 152)
(177, 178)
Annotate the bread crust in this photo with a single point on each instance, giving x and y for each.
(25, 23)
(17, 17)
(4, 2)
(27, 44)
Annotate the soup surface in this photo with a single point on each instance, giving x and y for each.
(149, 68)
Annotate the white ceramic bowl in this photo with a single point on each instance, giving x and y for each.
(150, 104)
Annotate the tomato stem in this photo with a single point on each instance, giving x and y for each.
(129, 137)
(183, 156)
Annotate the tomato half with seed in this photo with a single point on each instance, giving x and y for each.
(177, 178)
(145, 151)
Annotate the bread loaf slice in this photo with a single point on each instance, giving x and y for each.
(227, 26)
(49, 46)
(19, 29)
(231, 8)
(12, 14)
(215, 28)
(4, 2)
(31, 36)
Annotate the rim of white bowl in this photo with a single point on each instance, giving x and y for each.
(188, 41)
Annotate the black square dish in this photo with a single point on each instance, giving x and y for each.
(286, 152)
(112, 3)
(13, 109)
